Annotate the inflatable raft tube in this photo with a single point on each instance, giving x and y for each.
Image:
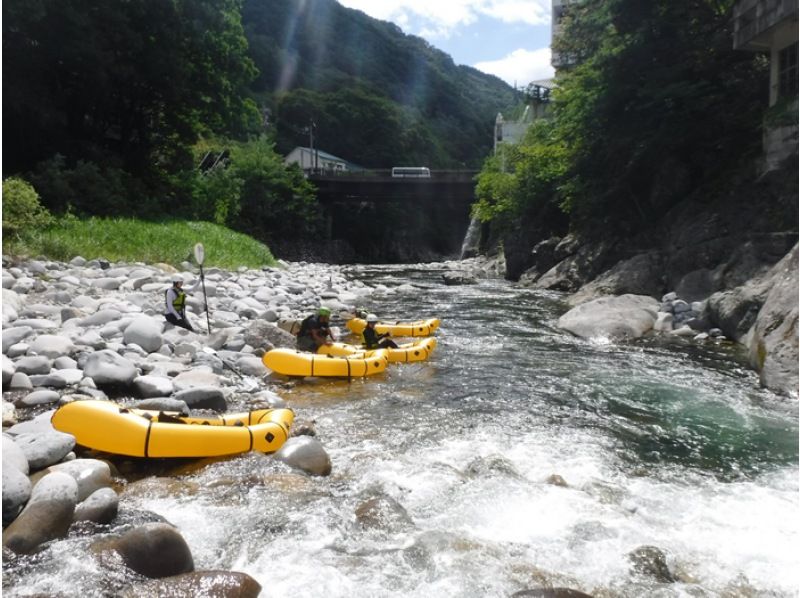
(419, 350)
(108, 427)
(299, 363)
(419, 328)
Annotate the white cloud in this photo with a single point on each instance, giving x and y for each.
(521, 66)
(440, 17)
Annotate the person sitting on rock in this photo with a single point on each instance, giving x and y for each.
(373, 340)
(315, 331)
(175, 298)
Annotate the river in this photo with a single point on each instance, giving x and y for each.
(657, 443)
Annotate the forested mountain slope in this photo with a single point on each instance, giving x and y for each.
(378, 97)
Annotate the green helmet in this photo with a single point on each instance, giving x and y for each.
(324, 311)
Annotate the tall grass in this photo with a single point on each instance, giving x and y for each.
(128, 240)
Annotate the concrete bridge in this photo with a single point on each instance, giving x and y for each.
(397, 219)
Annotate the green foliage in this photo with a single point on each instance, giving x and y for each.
(253, 192)
(129, 240)
(522, 179)
(21, 208)
(658, 104)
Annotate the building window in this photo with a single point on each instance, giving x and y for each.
(787, 71)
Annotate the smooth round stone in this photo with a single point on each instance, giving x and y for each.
(145, 332)
(16, 492)
(89, 474)
(13, 455)
(155, 550)
(153, 386)
(108, 367)
(43, 450)
(101, 507)
(40, 397)
(33, 364)
(307, 454)
(20, 381)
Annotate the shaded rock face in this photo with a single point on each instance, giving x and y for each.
(773, 344)
(577, 269)
(543, 257)
(640, 275)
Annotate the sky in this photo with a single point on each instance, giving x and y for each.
(507, 38)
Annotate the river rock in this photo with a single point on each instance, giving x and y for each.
(454, 278)
(550, 593)
(651, 561)
(203, 397)
(100, 507)
(251, 366)
(383, 512)
(109, 368)
(51, 346)
(154, 550)
(153, 386)
(33, 364)
(307, 454)
(663, 322)
(219, 584)
(47, 515)
(164, 404)
(8, 370)
(89, 474)
(195, 378)
(13, 456)
(16, 491)
(261, 334)
(101, 318)
(39, 397)
(624, 317)
(145, 332)
(44, 448)
(773, 342)
(576, 269)
(9, 413)
(641, 275)
(20, 381)
(268, 398)
(65, 363)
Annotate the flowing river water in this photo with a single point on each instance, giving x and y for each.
(656, 443)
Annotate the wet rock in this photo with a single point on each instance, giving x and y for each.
(47, 515)
(251, 366)
(550, 593)
(154, 550)
(663, 322)
(307, 454)
(491, 465)
(160, 487)
(303, 428)
(269, 399)
(100, 507)
(89, 474)
(107, 368)
(216, 584)
(556, 480)
(624, 317)
(145, 332)
(455, 278)
(651, 562)
(383, 512)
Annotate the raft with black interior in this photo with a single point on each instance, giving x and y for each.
(418, 328)
(299, 363)
(108, 427)
(418, 350)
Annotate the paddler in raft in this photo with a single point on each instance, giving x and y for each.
(315, 331)
(373, 340)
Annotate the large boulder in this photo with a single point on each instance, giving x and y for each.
(89, 474)
(8, 370)
(576, 270)
(203, 397)
(145, 332)
(51, 345)
(773, 340)
(44, 447)
(735, 311)
(154, 550)
(624, 317)
(11, 336)
(639, 275)
(47, 515)
(100, 507)
(109, 368)
(543, 256)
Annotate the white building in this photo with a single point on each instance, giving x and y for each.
(314, 159)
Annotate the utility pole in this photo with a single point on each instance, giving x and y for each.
(311, 141)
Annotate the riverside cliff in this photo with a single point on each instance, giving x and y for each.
(734, 255)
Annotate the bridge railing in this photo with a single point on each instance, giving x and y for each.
(386, 174)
